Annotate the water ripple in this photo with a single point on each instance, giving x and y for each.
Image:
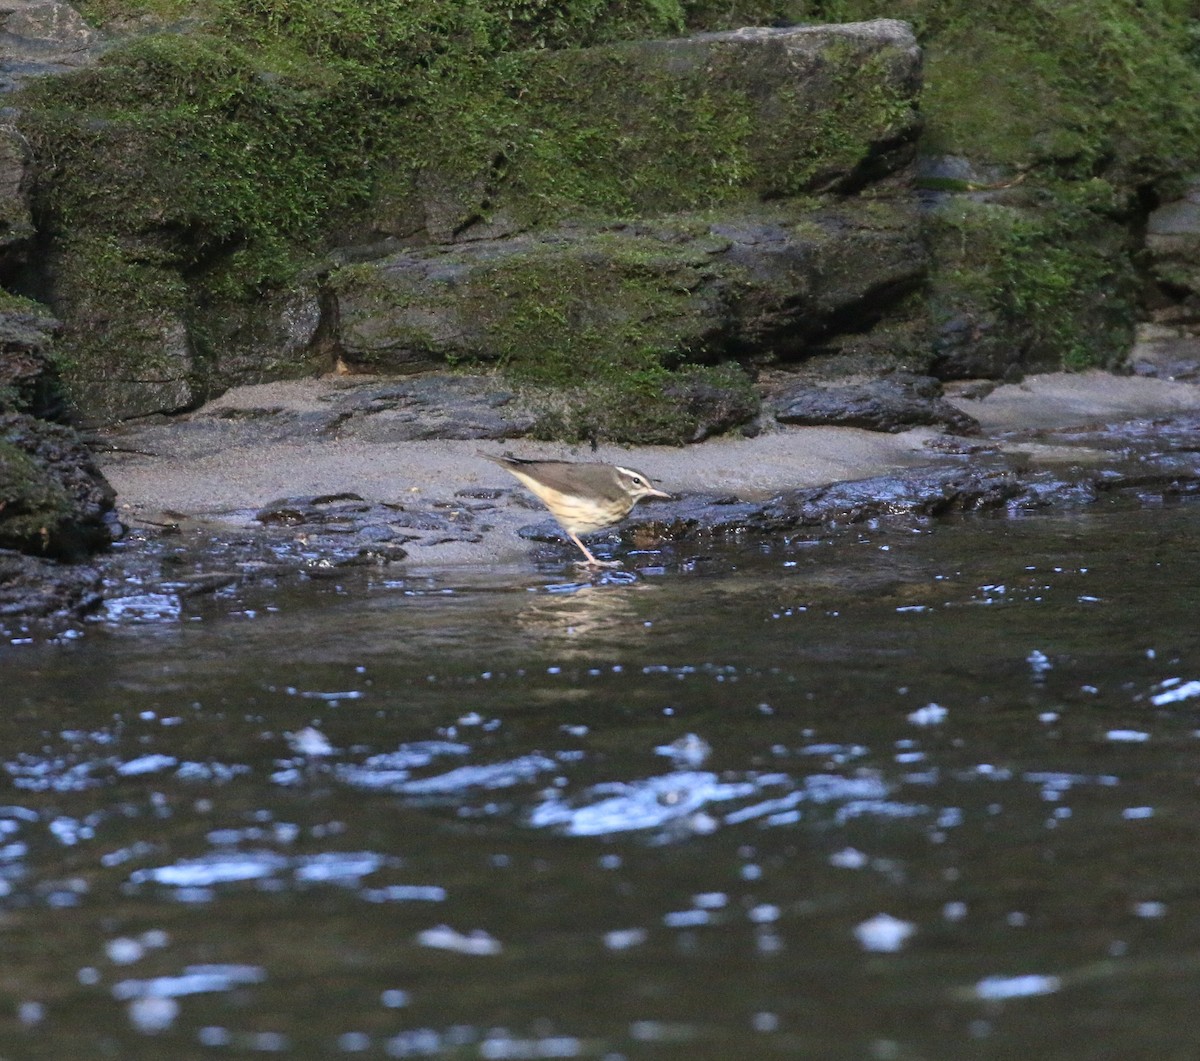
(380, 773)
(650, 803)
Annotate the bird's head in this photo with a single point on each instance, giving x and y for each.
(637, 484)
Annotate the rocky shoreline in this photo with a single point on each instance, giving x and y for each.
(280, 482)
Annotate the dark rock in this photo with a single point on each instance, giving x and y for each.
(43, 595)
(773, 281)
(895, 403)
(958, 445)
(1151, 459)
(206, 582)
(974, 390)
(925, 492)
(976, 345)
(435, 406)
(921, 494)
(317, 509)
(1166, 353)
(710, 404)
(375, 556)
(344, 530)
(26, 335)
(53, 499)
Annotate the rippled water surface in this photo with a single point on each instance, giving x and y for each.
(905, 793)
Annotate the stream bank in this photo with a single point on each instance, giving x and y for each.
(276, 482)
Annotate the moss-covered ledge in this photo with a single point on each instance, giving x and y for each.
(188, 187)
(610, 316)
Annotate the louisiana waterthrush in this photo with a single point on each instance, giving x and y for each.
(582, 496)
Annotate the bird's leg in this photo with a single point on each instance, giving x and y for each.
(591, 560)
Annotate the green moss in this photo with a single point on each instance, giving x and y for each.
(178, 139)
(19, 304)
(102, 12)
(624, 310)
(1058, 279)
(32, 504)
(1070, 86)
(120, 310)
(628, 138)
(184, 176)
(601, 332)
(651, 407)
(218, 164)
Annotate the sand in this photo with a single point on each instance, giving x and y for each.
(225, 480)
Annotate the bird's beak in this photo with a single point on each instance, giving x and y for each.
(659, 493)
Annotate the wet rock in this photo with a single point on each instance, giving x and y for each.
(1151, 459)
(958, 445)
(38, 595)
(313, 510)
(895, 403)
(205, 582)
(53, 499)
(344, 529)
(921, 494)
(925, 492)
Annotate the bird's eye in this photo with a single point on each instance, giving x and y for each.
(638, 481)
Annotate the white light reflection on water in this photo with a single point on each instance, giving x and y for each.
(998, 988)
(143, 608)
(651, 803)
(345, 869)
(659, 802)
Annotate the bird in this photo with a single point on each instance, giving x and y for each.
(583, 496)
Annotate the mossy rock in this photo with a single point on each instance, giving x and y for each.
(650, 127)
(620, 305)
(27, 333)
(124, 350)
(189, 181)
(655, 407)
(1041, 284)
(53, 499)
(33, 504)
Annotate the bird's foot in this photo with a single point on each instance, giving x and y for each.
(598, 565)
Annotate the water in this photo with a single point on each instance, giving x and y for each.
(909, 792)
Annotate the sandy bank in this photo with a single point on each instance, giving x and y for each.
(226, 471)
